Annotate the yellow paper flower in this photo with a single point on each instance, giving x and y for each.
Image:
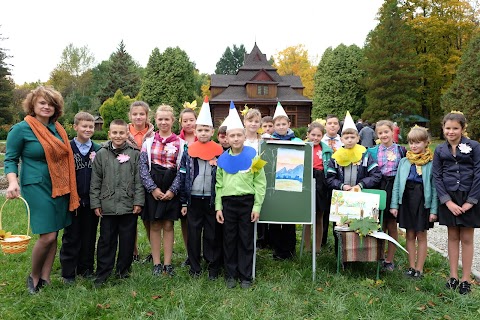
(244, 111)
(257, 164)
(345, 157)
(260, 131)
(192, 105)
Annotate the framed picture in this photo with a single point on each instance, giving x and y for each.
(355, 205)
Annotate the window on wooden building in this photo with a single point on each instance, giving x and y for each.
(262, 90)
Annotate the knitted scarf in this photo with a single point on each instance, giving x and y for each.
(420, 159)
(60, 162)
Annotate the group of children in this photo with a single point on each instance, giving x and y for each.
(218, 195)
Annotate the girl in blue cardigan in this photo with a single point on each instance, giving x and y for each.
(414, 198)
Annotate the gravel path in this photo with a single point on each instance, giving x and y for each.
(437, 240)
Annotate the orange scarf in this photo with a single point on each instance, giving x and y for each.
(59, 156)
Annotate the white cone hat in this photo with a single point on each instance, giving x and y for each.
(233, 120)
(348, 123)
(279, 111)
(205, 117)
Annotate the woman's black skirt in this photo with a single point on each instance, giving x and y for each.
(155, 210)
(412, 214)
(470, 219)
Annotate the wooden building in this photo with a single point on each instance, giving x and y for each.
(258, 85)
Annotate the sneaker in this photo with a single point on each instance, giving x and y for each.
(452, 283)
(417, 275)
(148, 258)
(157, 269)
(464, 287)
(194, 274)
(168, 270)
(136, 258)
(245, 284)
(231, 283)
(410, 272)
(389, 266)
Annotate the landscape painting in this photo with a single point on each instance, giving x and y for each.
(354, 205)
(289, 170)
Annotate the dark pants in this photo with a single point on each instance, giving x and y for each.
(201, 217)
(326, 219)
(263, 235)
(238, 236)
(283, 239)
(77, 255)
(115, 230)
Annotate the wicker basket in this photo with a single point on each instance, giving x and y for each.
(20, 245)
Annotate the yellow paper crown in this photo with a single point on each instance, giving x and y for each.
(456, 111)
(323, 122)
(192, 105)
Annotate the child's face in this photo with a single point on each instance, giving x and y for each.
(188, 122)
(418, 147)
(203, 133)
(222, 139)
(332, 126)
(236, 138)
(349, 140)
(138, 116)
(315, 136)
(385, 134)
(267, 127)
(252, 125)
(452, 130)
(281, 126)
(84, 130)
(118, 134)
(164, 121)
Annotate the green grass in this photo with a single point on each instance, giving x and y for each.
(283, 290)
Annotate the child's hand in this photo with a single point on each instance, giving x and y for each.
(467, 206)
(184, 211)
(137, 209)
(255, 216)
(432, 218)
(167, 196)
(98, 212)
(454, 208)
(347, 187)
(220, 216)
(394, 212)
(157, 194)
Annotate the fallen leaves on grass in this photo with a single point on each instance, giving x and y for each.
(149, 314)
(103, 306)
(134, 294)
(320, 289)
(156, 297)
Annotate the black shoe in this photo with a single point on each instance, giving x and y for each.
(245, 284)
(168, 270)
(452, 283)
(148, 258)
(194, 274)
(41, 283)
(125, 275)
(157, 269)
(136, 258)
(186, 263)
(212, 275)
(410, 272)
(464, 287)
(31, 288)
(68, 281)
(231, 283)
(98, 282)
(417, 275)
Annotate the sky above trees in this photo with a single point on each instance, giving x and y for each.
(37, 34)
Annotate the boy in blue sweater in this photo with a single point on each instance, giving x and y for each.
(78, 240)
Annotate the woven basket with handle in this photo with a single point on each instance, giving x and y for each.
(16, 243)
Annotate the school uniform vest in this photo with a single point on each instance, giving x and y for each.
(83, 172)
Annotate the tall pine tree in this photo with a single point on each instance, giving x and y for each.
(123, 73)
(392, 78)
(464, 93)
(231, 60)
